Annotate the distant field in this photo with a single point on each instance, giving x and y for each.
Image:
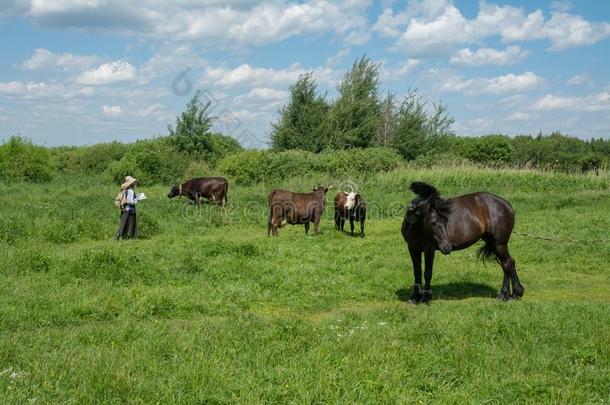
(207, 308)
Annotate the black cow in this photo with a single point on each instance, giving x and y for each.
(213, 188)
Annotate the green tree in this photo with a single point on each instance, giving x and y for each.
(301, 121)
(192, 133)
(355, 116)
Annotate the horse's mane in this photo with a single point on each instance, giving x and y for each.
(426, 191)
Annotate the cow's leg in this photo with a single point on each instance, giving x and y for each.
(416, 260)
(351, 223)
(362, 228)
(429, 256)
(337, 220)
(306, 228)
(316, 222)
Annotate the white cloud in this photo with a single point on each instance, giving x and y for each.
(577, 80)
(338, 57)
(248, 76)
(112, 110)
(33, 90)
(593, 102)
(107, 73)
(44, 59)
(522, 116)
(388, 24)
(263, 93)
(400, 70)
(489, 56)
(357, 38)
(509, 83)
(437, 27)
(235, 22)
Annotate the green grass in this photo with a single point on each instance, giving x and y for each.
(206, 308)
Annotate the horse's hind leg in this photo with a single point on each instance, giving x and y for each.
(518, 289)
(508, 267)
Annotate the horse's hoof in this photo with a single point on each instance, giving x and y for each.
(413, 301)
(502, 297)
(427, 297)
(516, 295)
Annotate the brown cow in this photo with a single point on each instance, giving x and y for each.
(349, 206)
(295, 208)
(213, 188)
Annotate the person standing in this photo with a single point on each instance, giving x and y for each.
(128, 227)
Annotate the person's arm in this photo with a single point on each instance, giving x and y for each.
(132, 199)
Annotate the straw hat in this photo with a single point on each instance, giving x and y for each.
(128, 182)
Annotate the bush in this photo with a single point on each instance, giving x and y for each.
(244, 168)
(491, 149)
(151, 162)
(20, 160)
(221, 146)
(255, 166)
(96, 158)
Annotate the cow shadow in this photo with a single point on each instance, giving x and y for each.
(453, 291)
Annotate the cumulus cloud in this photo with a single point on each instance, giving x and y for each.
(509, 83)
(44, 59)
(235, 22)
(107, 73)
(437, 27)
(593, 102)
(248, 76)
(112, 110)
(400, 70)
(577, 80)
(489, 56)
(32, 90)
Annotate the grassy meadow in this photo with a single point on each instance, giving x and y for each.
(206, 308)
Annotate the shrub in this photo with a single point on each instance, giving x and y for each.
(491, 149)
(151, 161)
(254, 166)
(221, 146)
(117, 170)
(245, 167)
(20, 160)
(96, 158)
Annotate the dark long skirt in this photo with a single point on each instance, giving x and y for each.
(128, 228)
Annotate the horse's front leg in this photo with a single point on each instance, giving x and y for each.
(429, 256)
(416, 260)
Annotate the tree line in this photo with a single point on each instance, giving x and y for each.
(360, 117)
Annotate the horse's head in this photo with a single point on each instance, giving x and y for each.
(432, 213)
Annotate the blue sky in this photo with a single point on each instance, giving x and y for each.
(88, 71)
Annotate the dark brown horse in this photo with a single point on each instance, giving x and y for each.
(432, 223)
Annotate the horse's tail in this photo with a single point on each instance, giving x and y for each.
(487, 252)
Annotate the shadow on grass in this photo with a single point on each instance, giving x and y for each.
(453, 291)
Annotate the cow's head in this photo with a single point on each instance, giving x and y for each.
(175, 191)
(321, 189)
(351, 199)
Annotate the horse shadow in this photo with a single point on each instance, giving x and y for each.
(453, 291)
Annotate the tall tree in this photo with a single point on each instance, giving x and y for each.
(387, 121)
(355, 115)
(192, 133)
(302, 118)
